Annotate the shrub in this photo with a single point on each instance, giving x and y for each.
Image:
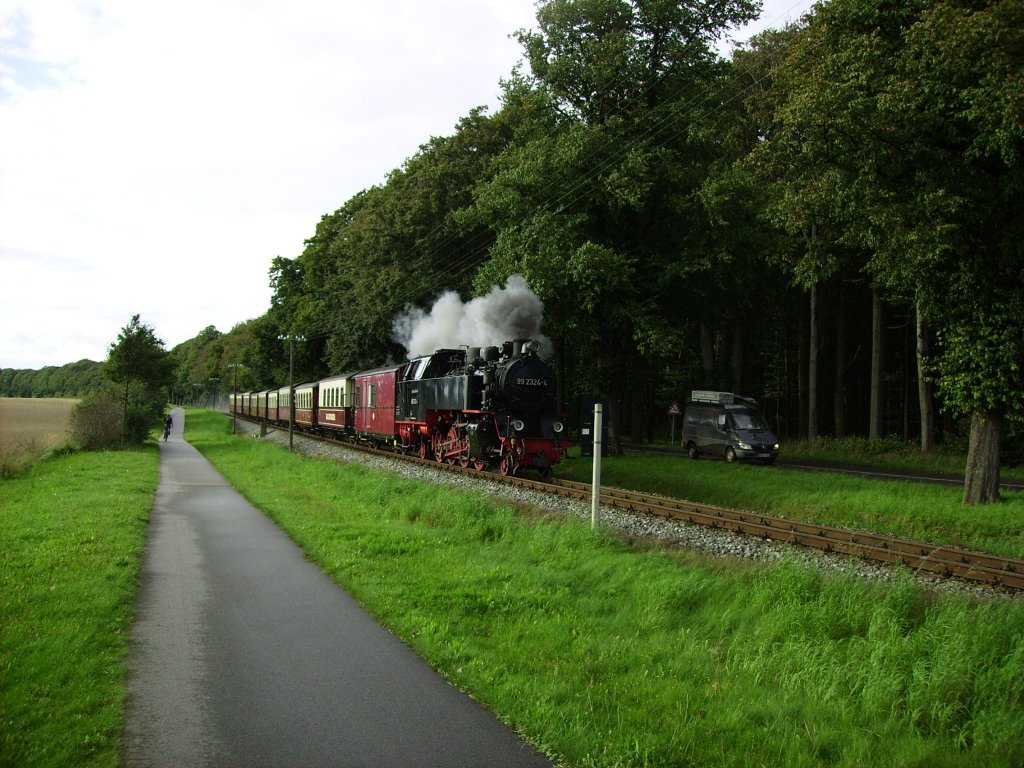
(96, 421)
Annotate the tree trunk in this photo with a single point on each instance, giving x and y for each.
(737, 357)
(707, 355)
(981, 477)
(877, 357)
(560, 368)
(638, 413)
(812, 370)
(926, 402)
(839, 391)
(801, 375)
(905, 375)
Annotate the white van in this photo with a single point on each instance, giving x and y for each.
(729, 426)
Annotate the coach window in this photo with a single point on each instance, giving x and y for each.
(373, 396)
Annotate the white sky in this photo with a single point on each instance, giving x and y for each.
(155, 157)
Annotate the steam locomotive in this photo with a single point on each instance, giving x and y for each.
(476, 406)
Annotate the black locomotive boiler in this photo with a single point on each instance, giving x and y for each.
(481, 406)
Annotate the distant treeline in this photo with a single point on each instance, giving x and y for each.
(71, 380)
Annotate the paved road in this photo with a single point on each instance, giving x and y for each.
(245, 654)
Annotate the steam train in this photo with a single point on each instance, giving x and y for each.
(476, 406)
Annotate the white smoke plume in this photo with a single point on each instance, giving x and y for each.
(512, 312)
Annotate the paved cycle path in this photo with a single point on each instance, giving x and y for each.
(245, 654)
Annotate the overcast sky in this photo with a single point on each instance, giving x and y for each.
(155, 157)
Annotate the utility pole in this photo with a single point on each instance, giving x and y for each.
(291, 391)
(595, 498)
(291, 385)
(234, 395)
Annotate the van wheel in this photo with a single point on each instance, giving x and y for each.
(691, 450)
(730, 454)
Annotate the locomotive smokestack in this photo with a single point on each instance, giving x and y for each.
(520, 347)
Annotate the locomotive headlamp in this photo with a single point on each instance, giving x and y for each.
(531, 346)
(557, 426)
(518, 425)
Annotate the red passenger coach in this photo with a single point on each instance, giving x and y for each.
(335, 401)
(284, 405)
(306, 404)
(375, 404)
(261, 405)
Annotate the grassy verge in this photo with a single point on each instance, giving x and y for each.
(72, 529)
(929, 512)
(606, 655)
(886, 453)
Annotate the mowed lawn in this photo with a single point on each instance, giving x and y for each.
(72, 532)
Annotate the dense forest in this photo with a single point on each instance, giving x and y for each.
(71, 380)
(829, 221)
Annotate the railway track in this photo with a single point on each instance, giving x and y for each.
(941, 559)
(949, 561)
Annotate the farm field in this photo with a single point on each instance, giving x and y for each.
(34, 421)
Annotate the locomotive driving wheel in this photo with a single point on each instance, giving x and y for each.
(452, 445)
(508, 465)
(510, 456)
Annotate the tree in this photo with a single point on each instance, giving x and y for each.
(602, 212)
(139, 362)
(946, 216)
(910, 118)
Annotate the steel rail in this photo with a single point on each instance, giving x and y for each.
(945, 560)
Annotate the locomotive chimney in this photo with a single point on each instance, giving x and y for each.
(519, 348)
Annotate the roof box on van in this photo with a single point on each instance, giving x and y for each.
(720, 398)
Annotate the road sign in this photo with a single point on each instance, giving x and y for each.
(674, 409)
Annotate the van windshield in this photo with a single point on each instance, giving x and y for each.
(743, 419)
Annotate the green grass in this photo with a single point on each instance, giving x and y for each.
(929, 512)
(72, 529)
(888, 453)
(885, 453)
(605, 655)
(599, 653)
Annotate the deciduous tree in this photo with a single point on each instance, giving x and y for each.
(139, 363)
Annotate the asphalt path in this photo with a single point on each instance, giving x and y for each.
(245, 654)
